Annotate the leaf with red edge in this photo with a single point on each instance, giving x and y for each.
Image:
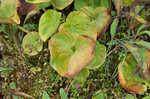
(130, 80)
(70, 53)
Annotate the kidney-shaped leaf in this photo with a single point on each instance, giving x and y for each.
(91, 3)
(32, 43)
(70, 53)
(49, 23)
(61, 4)
(37, 1)
(144, 56)
(100, 17)
(99, 56)
(79, 23)
(8, 11)
(128, 78)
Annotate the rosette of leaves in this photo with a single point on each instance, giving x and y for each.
(32, 44)
(66, 58)
(79, 23)
(70, 53)
(134, 75)
(8, 12)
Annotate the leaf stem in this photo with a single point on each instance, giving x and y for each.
(22, 29)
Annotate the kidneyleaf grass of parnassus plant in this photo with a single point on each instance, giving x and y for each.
(74, 32)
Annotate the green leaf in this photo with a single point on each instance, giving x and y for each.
(99, 56)
(37, 1)
(128, 2)
(7, 8)
(67, 51)
(142, 56)
(129, 96)
(99, 95)
(145, 32)
(81, 77)
(113, 28)
(86, 3)
(8, 12)
(138, 18)
(146, 97)
(74, 25)
(106, 3)
(48, 24)
(45, 95)
(61, 4)
(63, 94)
(92, 3)
(138, 9)
(134, 50)
(32, 43)
(99, 16)
(130, 80)
(139, 30)
(5, 69)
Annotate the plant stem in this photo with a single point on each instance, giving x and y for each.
(22, 29)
